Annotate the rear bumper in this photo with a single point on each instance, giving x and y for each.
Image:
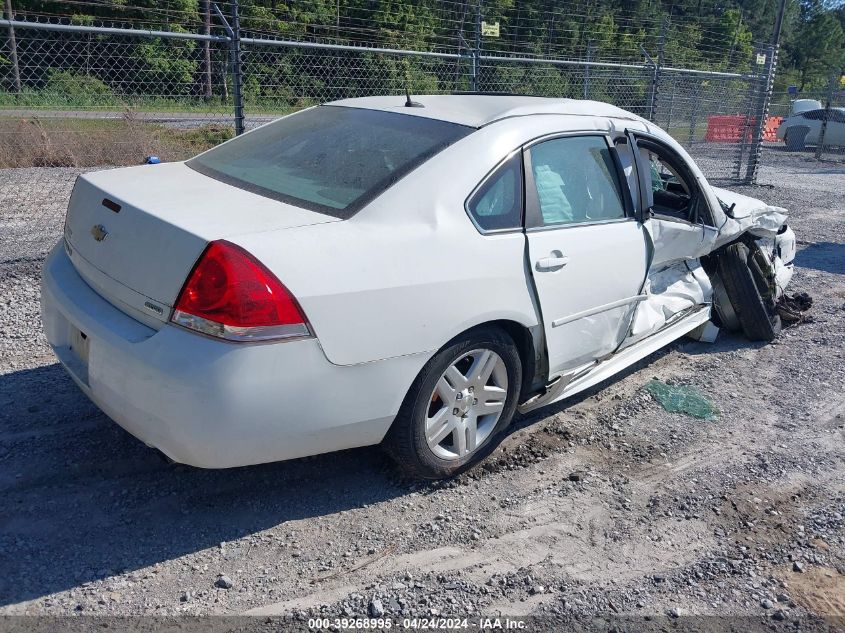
(210, 403)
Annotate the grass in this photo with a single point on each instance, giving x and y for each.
(681, 132)
(34, 142)
(81, 142)
(48, 100)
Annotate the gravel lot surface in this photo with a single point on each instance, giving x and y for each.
(603, 504)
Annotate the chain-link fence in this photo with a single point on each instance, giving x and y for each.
(76, 97)
(812, 123)
(81, 98)
(279, 77)
(715, 117)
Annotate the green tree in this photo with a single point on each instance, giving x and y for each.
(819, 50)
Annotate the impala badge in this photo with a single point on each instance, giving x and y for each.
(149, 305)
(99, 232)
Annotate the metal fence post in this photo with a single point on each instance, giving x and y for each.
(655, 75)
(234, 32)
(671, 107)
(207, 70)
(587, 69)
(693, 120)
(754, 91)
(761, 111)
(13, 49)
(476, 52)
(831, 89)
(237, 69)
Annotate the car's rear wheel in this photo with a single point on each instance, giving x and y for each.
(750, 289)
(458, 407)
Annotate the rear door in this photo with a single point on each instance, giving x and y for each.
(587, 252)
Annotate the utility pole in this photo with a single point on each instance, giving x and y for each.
(13, 49)
(735, 40)
(778, 25)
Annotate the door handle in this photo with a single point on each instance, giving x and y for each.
(553, 262)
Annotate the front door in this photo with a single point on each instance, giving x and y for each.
(587, 252)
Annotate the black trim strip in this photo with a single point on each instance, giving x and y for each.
(111, 205)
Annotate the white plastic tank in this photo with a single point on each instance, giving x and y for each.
(803, 105)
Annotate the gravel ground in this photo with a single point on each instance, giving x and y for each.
(604, 504)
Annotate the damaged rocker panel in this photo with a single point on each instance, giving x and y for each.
(598, 310)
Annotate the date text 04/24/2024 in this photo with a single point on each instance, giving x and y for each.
(417, 624)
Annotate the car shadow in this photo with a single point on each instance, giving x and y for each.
(825, 256)
(84, 500)
(725, 342)
(535, 416)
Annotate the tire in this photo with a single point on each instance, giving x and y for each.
(795, 138)
(406, 441)
(750, 292)
(725, 315)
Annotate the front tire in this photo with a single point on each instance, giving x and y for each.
(750, 291)
(459, 406)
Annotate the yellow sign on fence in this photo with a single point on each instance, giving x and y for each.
(490, 30)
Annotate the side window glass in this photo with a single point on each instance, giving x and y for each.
(576, 181)
(498, 203)
(671, 193)
(659, 172)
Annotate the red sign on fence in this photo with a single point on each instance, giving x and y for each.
(729, 128)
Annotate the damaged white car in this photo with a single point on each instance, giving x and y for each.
(378, 270)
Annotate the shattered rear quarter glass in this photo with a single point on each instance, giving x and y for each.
(682, 399)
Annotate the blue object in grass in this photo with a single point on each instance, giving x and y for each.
(152, 160)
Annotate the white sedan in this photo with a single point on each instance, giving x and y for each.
(375, 271)
(804, 128)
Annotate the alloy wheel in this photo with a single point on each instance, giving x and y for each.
(466, 404)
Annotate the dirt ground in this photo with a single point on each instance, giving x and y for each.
(604, 504)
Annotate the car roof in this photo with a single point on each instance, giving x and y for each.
(477, 110)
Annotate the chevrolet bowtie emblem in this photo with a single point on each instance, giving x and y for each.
(99, 232)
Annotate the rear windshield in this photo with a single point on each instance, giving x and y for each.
(330, 159)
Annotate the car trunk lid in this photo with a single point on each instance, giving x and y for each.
(135, 233)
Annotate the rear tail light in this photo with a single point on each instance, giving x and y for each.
(230, 294)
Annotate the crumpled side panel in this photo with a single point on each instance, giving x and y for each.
(676, 241)
(749, 214)
(670, 291)
(780, 250)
